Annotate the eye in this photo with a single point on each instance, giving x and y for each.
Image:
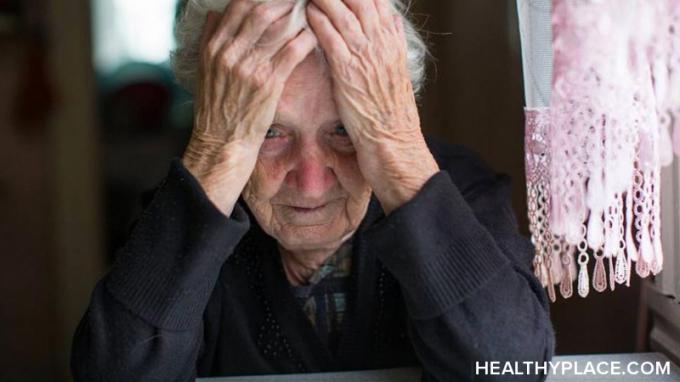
(340, 130)
(340, 140)
(277, 139)
(272, 132)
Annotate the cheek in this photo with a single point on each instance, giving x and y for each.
(349, 175)
(266, 180)
(352, 180)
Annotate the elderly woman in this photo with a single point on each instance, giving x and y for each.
(310, 226)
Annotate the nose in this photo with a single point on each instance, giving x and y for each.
(312, 175)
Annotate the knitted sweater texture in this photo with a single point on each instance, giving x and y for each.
(441, 282)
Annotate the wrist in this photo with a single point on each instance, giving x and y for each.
(404, 172)
(221, 170)
(396, 194)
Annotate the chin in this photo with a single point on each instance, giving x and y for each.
(304, 238)
(320, 229)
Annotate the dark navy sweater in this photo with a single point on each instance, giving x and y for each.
(440, 283)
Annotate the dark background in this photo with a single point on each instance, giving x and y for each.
(77, 149)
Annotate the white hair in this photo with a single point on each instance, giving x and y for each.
(185, 58)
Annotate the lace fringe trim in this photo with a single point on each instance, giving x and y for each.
(593, 158)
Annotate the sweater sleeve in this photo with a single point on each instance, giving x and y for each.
(465, 274)
(144, 320)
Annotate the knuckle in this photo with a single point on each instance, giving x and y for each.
(263, 14)
(362, 7)
(347, 22)
(295, 50)
(277, 27)
(359, 47)
(259, 78)
(241, 71)
(365, 48)
(362, 46)
(225, 61)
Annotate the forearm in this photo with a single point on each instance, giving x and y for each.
(398, 167)
(150, 305)
(222, 169)
(501, 322)
(466, 280)
(112, 343)
(170, 262)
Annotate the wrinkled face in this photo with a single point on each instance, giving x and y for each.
(307, 190)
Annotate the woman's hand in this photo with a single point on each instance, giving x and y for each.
(365, 45)
(245, 62)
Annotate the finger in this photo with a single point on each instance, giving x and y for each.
(329, 38)
(367, 14)
(272, 41)
(276, 36)
(211, 22)
(293, 53)
(345, 22)
(398, 23)
(232, 18)
(385, 10)
(230, 22)
(261, 18)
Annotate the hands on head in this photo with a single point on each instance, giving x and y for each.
(248, 53)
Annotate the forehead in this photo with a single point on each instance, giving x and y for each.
(314, 63)
(307, 97)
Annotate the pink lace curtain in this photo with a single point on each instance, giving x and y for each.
(602, 84)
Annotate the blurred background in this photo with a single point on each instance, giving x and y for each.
(90, 117)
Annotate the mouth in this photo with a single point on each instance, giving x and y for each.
(308, 209)
(310, 213)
